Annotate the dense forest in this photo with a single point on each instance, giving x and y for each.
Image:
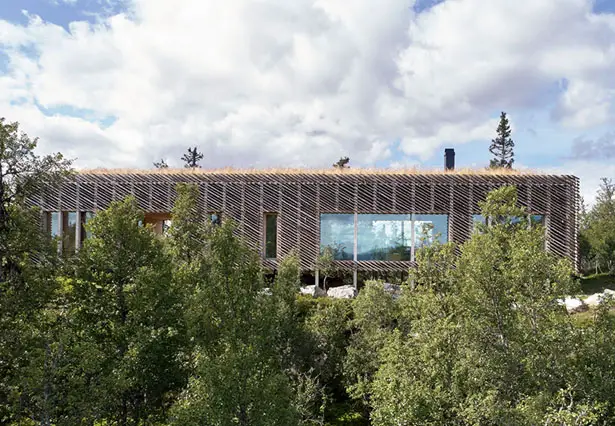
(188, 329)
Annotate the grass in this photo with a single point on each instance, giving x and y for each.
(309, 171)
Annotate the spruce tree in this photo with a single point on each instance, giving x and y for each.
(192, 158)
(502, 146)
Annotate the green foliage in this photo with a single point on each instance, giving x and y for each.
(28, 287)
(375, 316)
(597, 233)
(127, 315)
(192, 158)
(485, 342)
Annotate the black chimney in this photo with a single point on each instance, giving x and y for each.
(449, 159)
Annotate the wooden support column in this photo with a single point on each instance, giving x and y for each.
(78, 231)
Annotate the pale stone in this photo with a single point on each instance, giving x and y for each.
(574, 304)
(312, 290)
(594, 300)
(342, 292)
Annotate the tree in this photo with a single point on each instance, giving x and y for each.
(598, 229)
(502, 146)
(325, 264)
(342, 163)
(486, 342)
(192, 158)
(239, 375)
(28, 270)
(162, 164)
(130, 318)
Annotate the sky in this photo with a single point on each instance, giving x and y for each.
(301, 83)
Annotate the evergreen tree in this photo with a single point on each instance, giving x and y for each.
(162, 164)
(502, 146)
(342, 163)
(192, 158)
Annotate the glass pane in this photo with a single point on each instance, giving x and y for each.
(70, 231)
(337, 232)
(85, 219)
(54, 219)
(166, 225)
(271, 236)
(478, 219)
(430, 226)
(215, 218)
(537, 219)
(384, 236)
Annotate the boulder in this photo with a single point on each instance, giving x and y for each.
(594, 300)
(574, 305)
(393, 289)
(343, 292)
(312, 290)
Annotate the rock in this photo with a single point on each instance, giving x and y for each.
(608, 291)
(393, 289)
(595, 299)
(343, 292)
(574, 304)
(312, 290)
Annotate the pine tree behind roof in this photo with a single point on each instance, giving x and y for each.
(192, 158)
(502, 146)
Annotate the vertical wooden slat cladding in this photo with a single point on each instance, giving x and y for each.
(159, 196)
(558, 221)
(328, 197)
(87, 201)
(479, 194)
(104, 194)
(271, 197)
(540, 196)
(68, 196)
(233, 206)
(309, 242)
(122, 191)
(459, 226)
(299, 198)
(384, 199)
(403, 198)
(522, 196)
(442, 198)
(288, 219)
(142, 195)
(365, 200)
(215, 197)
(423, 199)
(346, 197)
(252, 216)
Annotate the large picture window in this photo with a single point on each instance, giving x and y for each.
(69, 231)
(271, 236)
(337, 232)
(384, 237)
(387, 237)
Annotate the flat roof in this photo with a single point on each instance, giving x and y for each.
(308, 171)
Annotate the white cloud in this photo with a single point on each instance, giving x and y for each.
(303, 82)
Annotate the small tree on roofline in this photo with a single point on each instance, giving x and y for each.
(342, 163)
(162, 164)
(192, 158)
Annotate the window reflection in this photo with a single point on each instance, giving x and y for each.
(69, 231)
(384, 237)
(337, 232)
(428, 228)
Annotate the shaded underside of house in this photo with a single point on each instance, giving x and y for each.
(300, 200)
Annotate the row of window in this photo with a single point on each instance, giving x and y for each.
(380, 236)
(357, 237)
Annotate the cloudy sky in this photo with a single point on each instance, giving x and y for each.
(258, 83)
